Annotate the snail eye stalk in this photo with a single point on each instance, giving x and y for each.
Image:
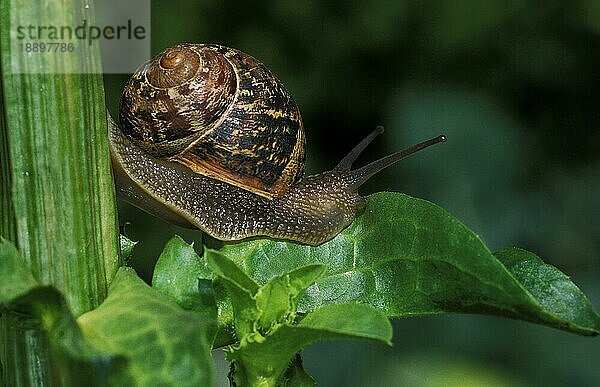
(358, 177)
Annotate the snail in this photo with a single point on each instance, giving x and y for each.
(209, 138)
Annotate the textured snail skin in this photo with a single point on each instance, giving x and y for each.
(209, 138)
(313, 211)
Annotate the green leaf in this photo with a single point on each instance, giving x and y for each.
(261, 309)
(356, 320)
(407, 256)
(264, 319)
(31, 307)
(560, 298)
(277, 300)
(15, 279)
(185, 277)
(180, 274)
(136, 336)
(241, 290)
(267, 359)
(228, 270)
(164, 345)
(126, 245)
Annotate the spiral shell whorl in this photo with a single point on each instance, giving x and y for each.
(175, 98)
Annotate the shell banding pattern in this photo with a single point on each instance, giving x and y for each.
(221, 113)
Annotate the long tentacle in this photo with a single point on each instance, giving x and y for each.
(357, 177)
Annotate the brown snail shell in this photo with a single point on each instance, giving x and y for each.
(218, 111)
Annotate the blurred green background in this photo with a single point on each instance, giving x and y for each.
(515, 86)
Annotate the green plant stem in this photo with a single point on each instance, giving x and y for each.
(7, 214)
(57, 201)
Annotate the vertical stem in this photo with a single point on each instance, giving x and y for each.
(57, 199)
(7, 214)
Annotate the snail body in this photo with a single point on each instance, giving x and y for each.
(209, 138)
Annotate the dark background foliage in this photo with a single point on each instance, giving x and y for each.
(514, 85)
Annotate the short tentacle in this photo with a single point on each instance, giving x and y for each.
(346, 163)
